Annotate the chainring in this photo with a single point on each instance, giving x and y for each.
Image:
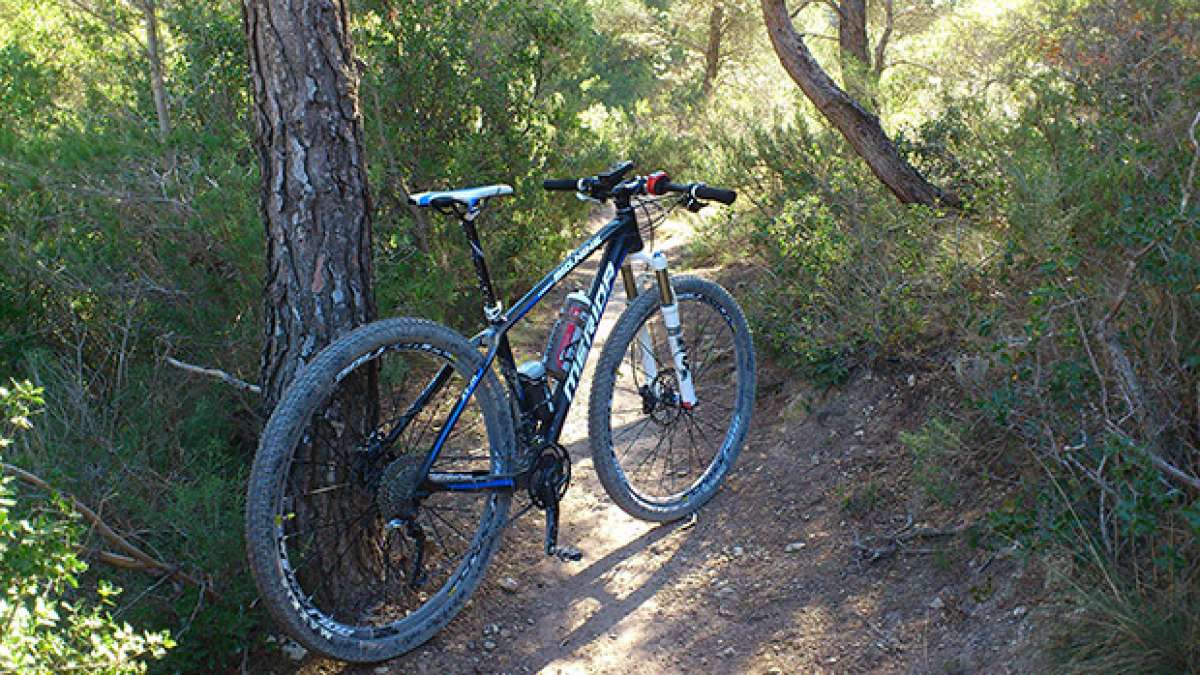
(550, 476)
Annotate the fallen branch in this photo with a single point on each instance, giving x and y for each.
(871, 551)
(218, 374)
(130, 556)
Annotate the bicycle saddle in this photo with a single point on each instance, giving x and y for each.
(468, 197)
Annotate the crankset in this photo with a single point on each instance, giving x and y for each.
(548, 481)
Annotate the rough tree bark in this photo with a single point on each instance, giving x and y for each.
(712, 51)
(860, 128)
(316, 210)
(314, 199)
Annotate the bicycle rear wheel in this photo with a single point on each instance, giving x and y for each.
(657, 459)
(351, 557)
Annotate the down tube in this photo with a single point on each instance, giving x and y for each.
(601, 292)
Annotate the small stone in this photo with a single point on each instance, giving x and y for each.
(509, 584)
(382, 670)
(489, 645)
(794, 546)
(937, 603)
(294, 651)
(738, 551)
(728, 653)
(506, 633)
(726, 592)
(529, 621)
(1019, 612)
(860, 433)
(912, 380)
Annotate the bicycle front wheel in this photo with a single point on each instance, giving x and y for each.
(353, 555)
(658, 459)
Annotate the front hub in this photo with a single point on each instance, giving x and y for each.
(660, 399)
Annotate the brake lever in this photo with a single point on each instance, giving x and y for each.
(583, 197)
(692, 204)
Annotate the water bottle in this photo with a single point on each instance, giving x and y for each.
(566, 334)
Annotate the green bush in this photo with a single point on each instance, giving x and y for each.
(47, 624)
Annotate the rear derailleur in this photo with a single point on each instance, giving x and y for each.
(397, 498)
(548, 480)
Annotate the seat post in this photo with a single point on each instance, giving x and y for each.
(492, 307)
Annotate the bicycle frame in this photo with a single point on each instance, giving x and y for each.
(620, 238)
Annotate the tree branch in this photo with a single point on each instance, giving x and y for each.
(888, 22)
(1191, 174)
(131, 557)
(871, 551)
(800, 8)
(218, 374)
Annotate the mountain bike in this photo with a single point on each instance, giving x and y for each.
(384, 477)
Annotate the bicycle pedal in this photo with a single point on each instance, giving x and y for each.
(567, 553)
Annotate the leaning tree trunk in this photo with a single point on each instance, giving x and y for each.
(859, 127)
(316, 210)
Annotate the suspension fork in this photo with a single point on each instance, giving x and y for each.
(670, 313)
(644, 342)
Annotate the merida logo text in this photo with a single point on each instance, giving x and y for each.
(589, 331)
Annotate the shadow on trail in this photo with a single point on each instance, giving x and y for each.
(591, 583)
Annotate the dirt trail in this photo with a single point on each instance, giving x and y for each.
(778, 574)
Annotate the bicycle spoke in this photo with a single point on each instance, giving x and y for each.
(450, 525)
(312, 555)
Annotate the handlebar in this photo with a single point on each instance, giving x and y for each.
(609, 184)
(565, 184)
(696, 191)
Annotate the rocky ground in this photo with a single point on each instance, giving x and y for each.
(817, 555)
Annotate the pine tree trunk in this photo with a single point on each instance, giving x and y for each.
(860, 128)
(314, 199)
(315, 206)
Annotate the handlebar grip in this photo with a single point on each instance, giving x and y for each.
(715, 194)
(565, 184)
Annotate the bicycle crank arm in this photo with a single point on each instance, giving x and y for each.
(564, 553)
